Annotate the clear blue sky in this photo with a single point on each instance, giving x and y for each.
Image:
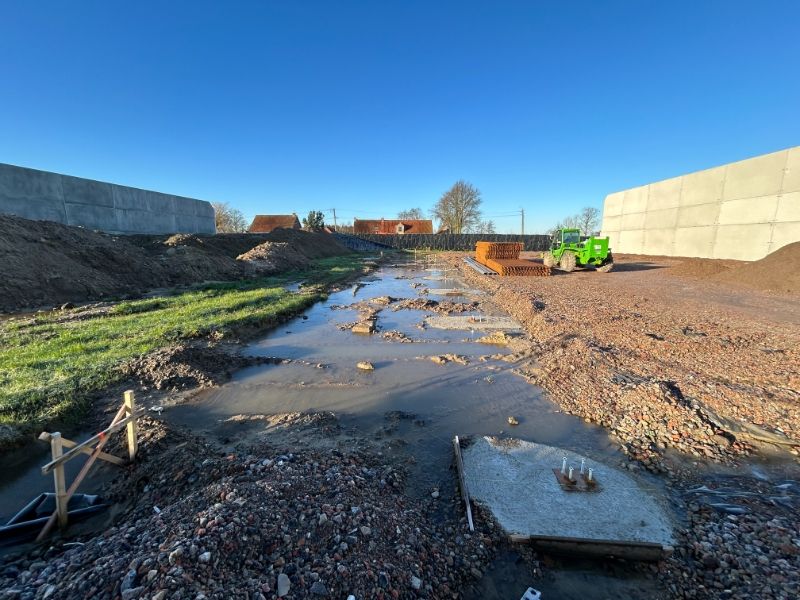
(373, 107)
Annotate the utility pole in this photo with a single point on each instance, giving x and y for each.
(334, 218)
(522, 215)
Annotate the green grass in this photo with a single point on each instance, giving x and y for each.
(48, 369)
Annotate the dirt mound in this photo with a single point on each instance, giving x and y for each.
(310, 245)
(776, 272)
(702, 267)
(45, 264)
(183, 366)
(272, 257)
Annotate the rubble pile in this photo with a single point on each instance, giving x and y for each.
(266, 523)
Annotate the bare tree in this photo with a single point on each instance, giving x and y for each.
(459, 207)
(588, 220)
(412, 214)
(228, 219)
(485, 227)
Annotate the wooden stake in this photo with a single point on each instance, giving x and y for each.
(62, 500)
(463, 481)
(72, 488)
(133, 429)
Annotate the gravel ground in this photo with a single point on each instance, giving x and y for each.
(690, 377)
(267, 522)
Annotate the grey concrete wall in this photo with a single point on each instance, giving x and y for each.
(45, 196)
(743, 210)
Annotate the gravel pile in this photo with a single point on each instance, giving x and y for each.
(665, 373)
(267, 523)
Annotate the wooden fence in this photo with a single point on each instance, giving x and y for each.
(464, 242)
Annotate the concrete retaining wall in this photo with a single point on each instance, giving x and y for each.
(454, 241)
(45, 196)
(742, 210)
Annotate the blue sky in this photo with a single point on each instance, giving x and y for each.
(373, 107)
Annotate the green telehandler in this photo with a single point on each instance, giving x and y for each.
(567, 251)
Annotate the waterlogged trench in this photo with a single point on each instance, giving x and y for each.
(444, 399)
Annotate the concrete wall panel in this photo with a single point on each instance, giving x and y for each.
(91, 216)
(784, 233)
(40, 195)
(126, 198)
(635, 200)
(759, 176)
(664, 194)
(742, 242)
(661, 219)
(743, 210)
(694, 241)
(632, 241)
(86, 191)
(633, 220)
(612, 223)
(659, 242)
(788, 208)
(791, 175)
(748, 210)
(613, 204)
(702, 187)
(699, 215)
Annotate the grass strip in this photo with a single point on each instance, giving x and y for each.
(49, 366)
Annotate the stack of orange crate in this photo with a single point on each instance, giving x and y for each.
(503, 258)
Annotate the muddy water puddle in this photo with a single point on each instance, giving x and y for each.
(410, 404)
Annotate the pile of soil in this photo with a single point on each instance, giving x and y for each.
(702, 267)
(272, 257)
(776, 272)
(267, 522)
(47, 264)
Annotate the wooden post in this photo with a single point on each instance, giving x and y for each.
(62, 499)
(133, 429)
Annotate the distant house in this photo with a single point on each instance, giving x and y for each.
(266, 223)
(392, 226)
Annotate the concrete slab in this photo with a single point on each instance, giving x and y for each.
(478, 323)
(514, 479)
(611, 223)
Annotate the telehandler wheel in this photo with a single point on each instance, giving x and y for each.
(567, 262)
(606, 267)
(548, 259)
